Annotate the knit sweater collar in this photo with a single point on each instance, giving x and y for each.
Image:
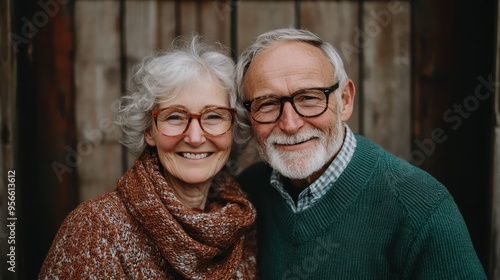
(196, 245)
(312, 221)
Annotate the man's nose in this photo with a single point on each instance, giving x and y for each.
(290, 122)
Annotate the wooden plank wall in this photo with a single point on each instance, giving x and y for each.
(8, 124)
(97, 90)
(378, 61)
(399, 94)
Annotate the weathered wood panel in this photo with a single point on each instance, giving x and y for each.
(337, 23)
(98, 86)
(141, 29)
(253, 19)
(166, 23)
(208, 18)
(45, 99)
(452, 127)
(257, 17)
(433, 74)
(215, 23)
(141, 36)
(385, 37)
(189, 17)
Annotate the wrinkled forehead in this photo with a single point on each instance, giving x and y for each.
(289, 60)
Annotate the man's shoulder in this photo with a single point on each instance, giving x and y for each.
(411, 184)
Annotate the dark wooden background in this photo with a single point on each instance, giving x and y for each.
(417, 66)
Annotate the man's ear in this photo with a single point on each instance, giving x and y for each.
(148, 135)
(348, 94)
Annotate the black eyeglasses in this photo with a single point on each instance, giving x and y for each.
(174, 121)
(308, 103)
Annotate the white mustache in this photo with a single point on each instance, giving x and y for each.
(282, 139)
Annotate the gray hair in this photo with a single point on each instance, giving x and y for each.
(286, 34)
(162, 75)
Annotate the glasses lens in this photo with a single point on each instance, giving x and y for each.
(266, 109)
(307, 103)
(172, 121)
(310, 103)
(216, 121)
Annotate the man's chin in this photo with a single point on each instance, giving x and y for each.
(296, 167)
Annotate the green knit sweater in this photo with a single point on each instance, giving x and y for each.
(382, 219)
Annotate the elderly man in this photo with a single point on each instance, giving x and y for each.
(332, 204)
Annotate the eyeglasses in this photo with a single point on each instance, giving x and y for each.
(174, 121)
(308, 103)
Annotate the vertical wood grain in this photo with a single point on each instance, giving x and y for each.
(142, 36)
(46, 129)
(97, 85)
(336, 23)
(452, 137)
(257, 17)
(207, 18)
(253, 19)
(215, 21)
(385, 38)
(166, 23)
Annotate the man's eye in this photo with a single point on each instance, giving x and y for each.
(268, 105)
(308, 97)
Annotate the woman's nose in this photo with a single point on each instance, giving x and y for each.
(195, 136)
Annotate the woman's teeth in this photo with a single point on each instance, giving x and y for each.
(195, 156)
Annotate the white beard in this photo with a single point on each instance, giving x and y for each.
(301, 164)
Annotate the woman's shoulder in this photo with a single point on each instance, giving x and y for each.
(104, 209)
(85, 244)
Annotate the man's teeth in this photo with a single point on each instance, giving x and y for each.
(293, 142)
(195, 156)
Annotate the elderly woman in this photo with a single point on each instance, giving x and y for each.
(174, 214)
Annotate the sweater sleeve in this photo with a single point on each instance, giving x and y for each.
(442, 249)
(84, 247)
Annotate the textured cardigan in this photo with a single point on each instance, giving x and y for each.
(382, 219)
(142, 231)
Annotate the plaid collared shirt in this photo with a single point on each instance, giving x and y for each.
(319, 187)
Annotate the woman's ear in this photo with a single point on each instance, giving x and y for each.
(150, 139)
(348, 94)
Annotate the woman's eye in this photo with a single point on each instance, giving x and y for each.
(174, 117)
(213, 116)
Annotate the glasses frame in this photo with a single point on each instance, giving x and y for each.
(155, 113)
(326, 90)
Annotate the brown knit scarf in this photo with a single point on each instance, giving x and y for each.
(198, 245)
